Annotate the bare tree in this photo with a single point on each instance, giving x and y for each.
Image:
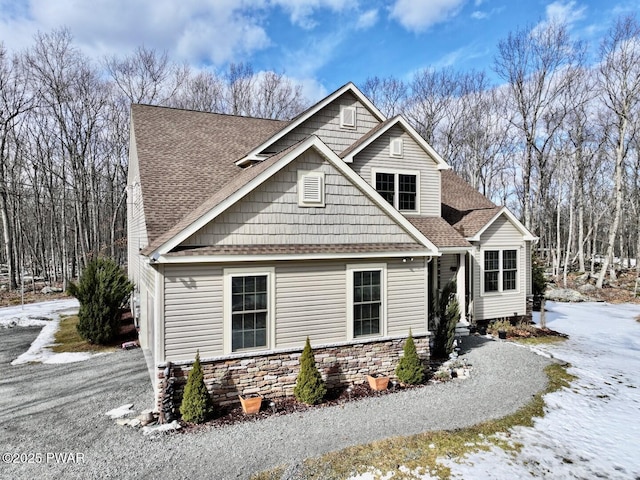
(388, 94)
(275, 96)
(619, 83)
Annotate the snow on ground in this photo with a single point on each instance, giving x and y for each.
(592, 429)
(47, 315)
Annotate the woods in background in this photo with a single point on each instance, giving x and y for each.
(556, 140)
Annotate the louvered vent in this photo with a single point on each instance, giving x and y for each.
(311, 189)
(348, 117)
(395, 149)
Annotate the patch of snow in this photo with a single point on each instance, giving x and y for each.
(121, 411)
(45, 315)
(165, 427)
(589, 429)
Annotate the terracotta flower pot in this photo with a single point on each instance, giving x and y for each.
(378, 382)
(250, 405)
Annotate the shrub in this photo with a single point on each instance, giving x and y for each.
(448, 318)
(539, 281)
(196, 403)
(102, 291)
(410, 369)
(310, 387)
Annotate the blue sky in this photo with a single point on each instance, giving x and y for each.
(319, 43)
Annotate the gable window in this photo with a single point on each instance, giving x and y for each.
(500, 270)
(247, 303)
(311, 189)
(400, 189)
(348, 117)
(366, 293)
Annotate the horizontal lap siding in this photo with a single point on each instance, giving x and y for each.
(500, 235)
(414, 157)
(310, 301)
(406, 297)
(193, 311)
(446, 264)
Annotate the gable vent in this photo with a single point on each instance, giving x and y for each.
(311, 189)
(348, 117)
(395, 147)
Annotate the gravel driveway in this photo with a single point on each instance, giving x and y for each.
(60, 409)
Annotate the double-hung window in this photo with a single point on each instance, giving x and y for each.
(366, 300)
(400, 189)
(248, 310)
(500, 270)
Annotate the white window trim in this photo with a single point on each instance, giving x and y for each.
(228, 274)
(358, 267)
(397, 172)
(352, 109)
(396, 141)
(500, 290)
(301, 200)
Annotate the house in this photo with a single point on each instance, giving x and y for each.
(248, 235)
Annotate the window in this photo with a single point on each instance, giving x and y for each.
(500, 270)
(311, 189)
(348, 117)
(366, 303)
(400, 189)
(366, 297)
(247, 309)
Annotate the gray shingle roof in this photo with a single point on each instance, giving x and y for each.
(439, 232)
(351, 248)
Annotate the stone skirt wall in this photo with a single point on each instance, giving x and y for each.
(274, 375)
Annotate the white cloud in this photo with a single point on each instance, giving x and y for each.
(367, 19)
(301, 11)
(478, 15)
(419, 16)
(564, 12)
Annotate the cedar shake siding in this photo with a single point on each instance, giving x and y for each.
(326, 125)
(414, 158)
(270, 214)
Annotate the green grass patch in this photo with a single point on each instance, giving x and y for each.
(67, 338)
(422, 451)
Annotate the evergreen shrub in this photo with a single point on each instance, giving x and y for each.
(310, 388)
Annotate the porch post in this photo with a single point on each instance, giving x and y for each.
(460, 284)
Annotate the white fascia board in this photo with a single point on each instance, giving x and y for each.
(526, 234)
(254, 154)
(444, 250)
(441, 164)
(289, 256)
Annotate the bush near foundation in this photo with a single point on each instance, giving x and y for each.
(310, 388)
(410, 369)
(196, 403)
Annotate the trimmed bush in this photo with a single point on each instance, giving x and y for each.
(448, 318)
(196, 402)
(310, 387)
(410, 369)
(102, 291)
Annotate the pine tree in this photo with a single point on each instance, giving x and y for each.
(196, 403)
(410, 369)
(102, 290)
(310, 387)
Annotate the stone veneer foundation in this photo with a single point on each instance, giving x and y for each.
(274, 375)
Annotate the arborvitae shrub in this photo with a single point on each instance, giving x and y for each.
(102, 291)
(446, 321)
(196, 403)
(310, 387)
(410, 369)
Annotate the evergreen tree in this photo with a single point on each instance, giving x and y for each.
(448, 318)
(196, 403)
(102, 291)
(310, 387)
(410, 369)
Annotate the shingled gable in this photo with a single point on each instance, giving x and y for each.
(377, 132)
(255, 153)
(252, 177)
